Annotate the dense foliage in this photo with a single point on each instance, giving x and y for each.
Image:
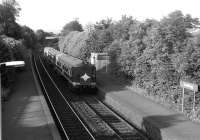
(13, 38)
(73, 43)
(40, 36)
(71, 26)
(9, 11)
(9, 51)
(156, 55)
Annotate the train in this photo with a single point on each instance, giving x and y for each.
(79, 74)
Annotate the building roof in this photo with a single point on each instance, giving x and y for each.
(51, 37)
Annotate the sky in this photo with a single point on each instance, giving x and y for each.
(52, 15)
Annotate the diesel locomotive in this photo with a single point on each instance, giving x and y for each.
(79, 73)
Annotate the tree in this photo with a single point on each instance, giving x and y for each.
(98, 41)
(29, 37)
(121, 28)
(71, 26)
(5, 51)
(40, 35)
(99, 38)
(103, 24)
(9, 11)
(89, 27)
(167, 56)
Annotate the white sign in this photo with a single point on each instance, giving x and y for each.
(190, 86)
(103, 57)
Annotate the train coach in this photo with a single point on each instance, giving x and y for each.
(51, 54)
(78, 73)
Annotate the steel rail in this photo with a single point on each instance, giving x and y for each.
(116, 116)
(66, 100)
(121, 118)
(49, 98)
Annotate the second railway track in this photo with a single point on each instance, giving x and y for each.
(83, 116)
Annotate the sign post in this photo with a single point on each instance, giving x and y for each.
(194, 102)
(182, 100)
(190, 86)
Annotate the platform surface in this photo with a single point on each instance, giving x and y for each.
(159, 122)
(23, 117)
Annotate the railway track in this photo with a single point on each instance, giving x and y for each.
(78, 116)
(70, 125)
(99, 120)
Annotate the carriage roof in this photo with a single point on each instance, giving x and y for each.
(66, 59)
(51, 50)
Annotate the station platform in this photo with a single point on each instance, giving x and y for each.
(25, 115)
(159, 122)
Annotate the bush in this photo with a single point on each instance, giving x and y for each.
(156, 54)
(10, 51)
(73, 43)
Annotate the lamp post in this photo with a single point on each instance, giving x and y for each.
(3, 66)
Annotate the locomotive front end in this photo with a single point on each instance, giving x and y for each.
(84, 76)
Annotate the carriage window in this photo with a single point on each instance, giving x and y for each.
(65, 68)
(54, 58)
(69, 72)
(59, 64)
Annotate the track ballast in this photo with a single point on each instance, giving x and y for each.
(82, 116)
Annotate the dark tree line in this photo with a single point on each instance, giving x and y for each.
(13, 38)
(156, 55)
(9, 12)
